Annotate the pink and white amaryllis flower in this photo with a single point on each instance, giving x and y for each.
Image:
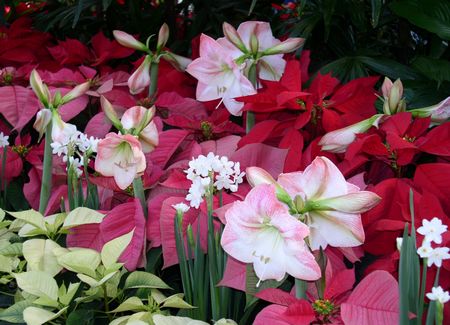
(255, 41)
(140, 79)
(121, 157)
(139, 119)
(261, 231)
(328, 204)
(219, 76)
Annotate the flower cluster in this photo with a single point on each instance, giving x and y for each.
(74, 147)
(212, 170)
(433, 230)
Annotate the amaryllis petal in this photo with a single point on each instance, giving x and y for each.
(357, 202)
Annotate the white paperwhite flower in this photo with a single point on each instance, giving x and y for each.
(437, 255)
(225, 174)
(425, 250)
(181, 207)
(59, 148)
(432, 230)
(77, 165)
(3, 140)
(438, 294)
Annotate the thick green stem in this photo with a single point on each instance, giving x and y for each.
(46, 185)
(154, 68)
(138, 190)
(250, 121)
(300, 289)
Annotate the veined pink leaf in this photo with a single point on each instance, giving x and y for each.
(260, 155)
(234, 275)
(120, 221)
(374, 301)
(276, 296)
(98, 126)
(18, 105)
(86, 236)
(168, 143)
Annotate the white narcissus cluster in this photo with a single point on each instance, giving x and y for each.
(203, 170)
(432, 231)
(73, 146)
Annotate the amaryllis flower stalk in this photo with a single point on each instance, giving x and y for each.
(327, 203)
(261, 231)
(49, 121)
(146, 75)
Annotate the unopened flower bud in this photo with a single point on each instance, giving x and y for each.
(140, 79)
(39, 88)
(129, 41)
(254, 44)
(392, 93)
(440, 113)
(163, 37)
(177, 61)
(287, 46)
(232, 35)
(110, 113)
(43, 117)
(76, 92)
(337, 141)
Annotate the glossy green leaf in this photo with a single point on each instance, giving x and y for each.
(139, 279)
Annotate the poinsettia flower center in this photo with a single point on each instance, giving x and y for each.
(323, 307)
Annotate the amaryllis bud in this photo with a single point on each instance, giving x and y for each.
(258, 176)
(39, 88)
(287, 46)
(128, 40)
(137, 121)
(140, 79)
(43, 117)
(337, 141)
(232, 35)
(392, 94)
(440, 113)
(177, 61)
(76, 92)
(163, 36)
(110, 113)
(254, 44)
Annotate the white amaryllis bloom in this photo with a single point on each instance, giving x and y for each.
(432, 230)
(438, 294)
(3, 140)
(260, 230)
